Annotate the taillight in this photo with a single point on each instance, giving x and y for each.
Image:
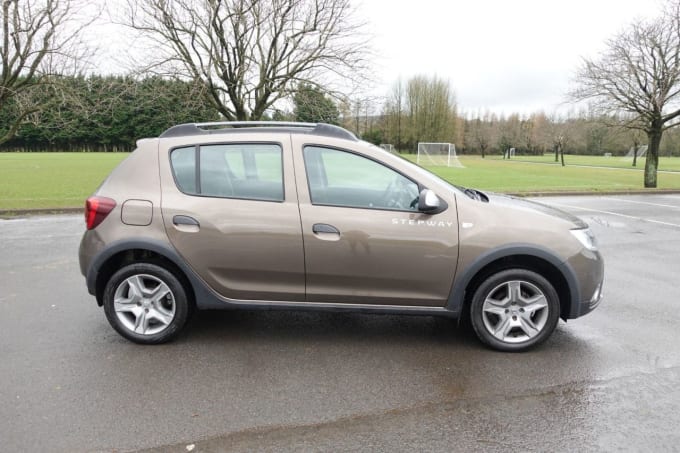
(96, 210)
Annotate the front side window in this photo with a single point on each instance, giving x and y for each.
(341, 178)
(249, 171)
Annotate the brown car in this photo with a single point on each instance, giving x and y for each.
(306, 216)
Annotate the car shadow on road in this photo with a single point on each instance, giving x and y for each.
(280, 327)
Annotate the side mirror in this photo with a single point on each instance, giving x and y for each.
(428, 201)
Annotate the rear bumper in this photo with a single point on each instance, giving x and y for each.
(91, 245)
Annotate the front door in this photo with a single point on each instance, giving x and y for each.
(229, 214)
(365, 242)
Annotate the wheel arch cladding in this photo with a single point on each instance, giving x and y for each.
(121, 253)
(525, 256)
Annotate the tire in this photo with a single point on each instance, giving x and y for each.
(514, 310)
(146, 303)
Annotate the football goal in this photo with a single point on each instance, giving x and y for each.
(388, 147)
(641, 152)
(438, 154)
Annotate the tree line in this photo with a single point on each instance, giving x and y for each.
(104, 113)
(580, 132)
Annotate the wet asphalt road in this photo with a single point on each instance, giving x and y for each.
(244, 381)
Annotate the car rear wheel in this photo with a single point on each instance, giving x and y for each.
(514, 310)
(146, 303)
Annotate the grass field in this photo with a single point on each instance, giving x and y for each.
(665, 163)
(502, 176)
(52, 180)
(59, 180)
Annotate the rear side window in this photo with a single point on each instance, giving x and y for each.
(249, 171)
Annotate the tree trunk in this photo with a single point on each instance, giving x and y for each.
(635, 150)
(562, 155)
(482, 148)
(398, 144)
(652, 161)
(557, 153)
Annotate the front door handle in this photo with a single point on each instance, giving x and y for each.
(324, 228)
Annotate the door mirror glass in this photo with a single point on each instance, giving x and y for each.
(428, 201)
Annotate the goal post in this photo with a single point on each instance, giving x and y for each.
(438, 154)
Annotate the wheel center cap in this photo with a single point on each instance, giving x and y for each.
(146, 303)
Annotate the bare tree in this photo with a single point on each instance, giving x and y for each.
(430, 110)
(560, 140)
(561, 133)
(478, 132)
(394, 114)
(509, 133)
(250, 54)
(39, 39)
(639, 74)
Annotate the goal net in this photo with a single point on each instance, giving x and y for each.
(438, 154)
(641, 152)
(388, 147)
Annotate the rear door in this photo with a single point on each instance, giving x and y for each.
(365, 242)
(231, 210)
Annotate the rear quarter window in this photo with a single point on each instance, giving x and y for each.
(184, 168)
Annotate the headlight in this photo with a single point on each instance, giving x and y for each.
(586, 238)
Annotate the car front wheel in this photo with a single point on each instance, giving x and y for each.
(146, 303)
(514, 310)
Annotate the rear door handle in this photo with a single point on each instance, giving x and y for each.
(185, 220)
(324, 228)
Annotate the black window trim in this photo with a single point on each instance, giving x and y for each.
(197, 158)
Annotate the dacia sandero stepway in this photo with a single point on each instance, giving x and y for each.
(298, 216)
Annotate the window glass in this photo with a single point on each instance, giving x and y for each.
(253, 171)
(184, 168)
(235, 163)
(341, 178)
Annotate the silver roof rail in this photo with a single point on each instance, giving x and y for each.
(256, 124)
(219, 127)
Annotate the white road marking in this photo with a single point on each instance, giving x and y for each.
(643, 202)
(617, 214)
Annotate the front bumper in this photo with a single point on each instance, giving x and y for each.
(588, 268)
(590, 305)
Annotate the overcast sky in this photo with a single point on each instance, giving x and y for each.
(502, 55)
